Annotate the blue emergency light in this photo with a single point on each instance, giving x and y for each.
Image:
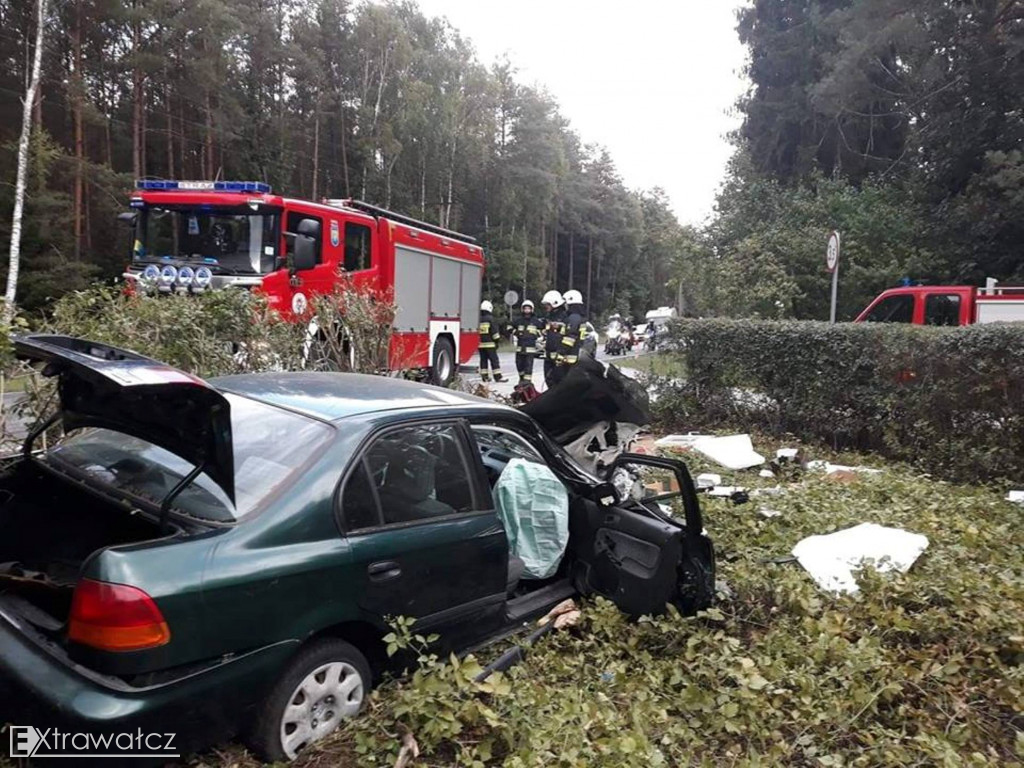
(164, 185)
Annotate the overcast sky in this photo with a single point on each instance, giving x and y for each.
(653, 80)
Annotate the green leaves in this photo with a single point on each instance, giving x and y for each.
(947, 400)
(919, 669)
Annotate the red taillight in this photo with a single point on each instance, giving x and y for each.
(115, 617)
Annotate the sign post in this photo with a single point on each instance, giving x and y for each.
(832, 263)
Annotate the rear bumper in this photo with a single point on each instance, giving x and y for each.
(40, 686)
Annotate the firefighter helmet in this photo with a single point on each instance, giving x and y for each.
(528, 304)
(553, 299)
(573, 297)
(486, 306)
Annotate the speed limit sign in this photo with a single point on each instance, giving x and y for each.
(832, 262)
(832, 254)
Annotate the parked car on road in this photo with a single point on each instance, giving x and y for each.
(220, 558)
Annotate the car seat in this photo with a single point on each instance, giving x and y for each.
(408, 488)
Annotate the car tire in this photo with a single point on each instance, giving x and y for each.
(442, 367)
(327, 682)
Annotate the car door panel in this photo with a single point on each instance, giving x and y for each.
(446, 568)
(625, 556)
(438, 565)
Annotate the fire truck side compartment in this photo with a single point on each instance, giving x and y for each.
(444, 288)
(412, 294)
(470, 314)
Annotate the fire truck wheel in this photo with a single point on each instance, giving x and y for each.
(442, 369)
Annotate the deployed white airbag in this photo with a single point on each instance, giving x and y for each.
(534, 509)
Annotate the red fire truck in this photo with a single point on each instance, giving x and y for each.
(193, 236)
(946, 305)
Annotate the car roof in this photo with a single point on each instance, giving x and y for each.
(333, 396)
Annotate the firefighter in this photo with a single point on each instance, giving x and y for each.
(489, 335)
(528, 330)
(554, 328)
(575, 332)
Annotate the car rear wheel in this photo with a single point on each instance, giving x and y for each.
(326, 683)
(442, 370)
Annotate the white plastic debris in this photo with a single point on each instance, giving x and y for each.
(1015, 496)
(708, 480)
(725, 490)
(769, 513)
(766, 473)
(832, 558)
(787, 454)
(678, 441)
(830, 468)
(731, 451)
(777, 490)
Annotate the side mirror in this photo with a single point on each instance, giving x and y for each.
(305, 253)
(128, 217)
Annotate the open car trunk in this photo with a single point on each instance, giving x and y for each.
(48, 529)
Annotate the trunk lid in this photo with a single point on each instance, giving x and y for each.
(103, 386)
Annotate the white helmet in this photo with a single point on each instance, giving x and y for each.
(486, 306)
(553, 299)
(573, 297)
(527, 303)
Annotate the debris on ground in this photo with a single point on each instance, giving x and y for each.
(410, 750)
(832, 558)
(776, 490)
(708, 480)
(565, 614)
(831, 468)
(731, 451)
(679, 441)
(788, 454)
(766, 473)
(769, 513)
(1016, 497)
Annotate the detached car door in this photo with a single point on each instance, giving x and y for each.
(647, 548)
(424, 536)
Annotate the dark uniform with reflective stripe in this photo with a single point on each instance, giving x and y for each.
(554, 331)
(572, 341)
(489, 335)
(528, 331)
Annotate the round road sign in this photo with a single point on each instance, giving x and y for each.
(832, 254)
(511, 297)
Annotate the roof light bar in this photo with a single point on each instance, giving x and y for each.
(165, 185)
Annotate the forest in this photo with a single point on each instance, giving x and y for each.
(898, 122)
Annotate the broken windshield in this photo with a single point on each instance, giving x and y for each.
(234, 239)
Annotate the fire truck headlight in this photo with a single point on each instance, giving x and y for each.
(202, 277)
(168, 275)
(185, 276)
(150, 275)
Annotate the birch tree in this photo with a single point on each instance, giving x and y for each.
(19, 187)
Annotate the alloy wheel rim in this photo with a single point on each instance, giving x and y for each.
(319, 703)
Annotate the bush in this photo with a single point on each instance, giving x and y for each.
(949, 400)
(212, 334)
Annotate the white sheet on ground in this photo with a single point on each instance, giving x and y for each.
(731, 451)
(832, 558)
(534, 509)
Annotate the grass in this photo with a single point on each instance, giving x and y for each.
(653, 363)
(916, 669)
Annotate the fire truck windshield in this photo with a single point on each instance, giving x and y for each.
(235, 239)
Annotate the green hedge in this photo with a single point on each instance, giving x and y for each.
(948, 400)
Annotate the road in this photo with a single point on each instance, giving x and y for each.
(471, 373)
